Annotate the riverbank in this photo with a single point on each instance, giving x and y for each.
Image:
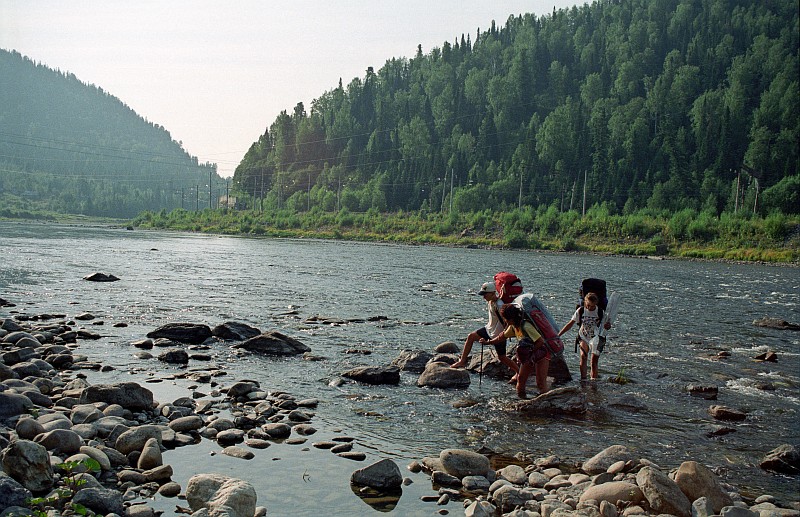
(62, 408)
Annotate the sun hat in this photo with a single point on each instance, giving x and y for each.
(487, 287)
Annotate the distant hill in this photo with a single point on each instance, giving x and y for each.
(631, 105)
(70, 147)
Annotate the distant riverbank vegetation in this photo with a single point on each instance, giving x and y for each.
(637, 127)
(688, 234)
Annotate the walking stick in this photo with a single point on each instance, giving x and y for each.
(480, 372)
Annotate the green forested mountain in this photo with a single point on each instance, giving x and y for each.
(70, 147)
(630, 104)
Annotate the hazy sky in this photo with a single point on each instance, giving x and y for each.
(215, 74)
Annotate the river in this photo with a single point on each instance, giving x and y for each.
(675, 317)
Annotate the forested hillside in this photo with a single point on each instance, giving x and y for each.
(629, 105)
(70, 147)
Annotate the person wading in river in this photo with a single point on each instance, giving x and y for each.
(532, 353)
(492, 329)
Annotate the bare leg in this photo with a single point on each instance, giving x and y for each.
(584, 360)
(595, 366)
(508, 362)
(525, 370)
(541, 375)
(471, 338)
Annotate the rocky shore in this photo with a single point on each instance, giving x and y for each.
(67, 445)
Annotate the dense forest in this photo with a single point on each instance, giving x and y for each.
(628, 105)
(70, 147)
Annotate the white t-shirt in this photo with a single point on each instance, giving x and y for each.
(589, 324)
(495, 325)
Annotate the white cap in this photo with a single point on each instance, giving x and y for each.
(487, 287)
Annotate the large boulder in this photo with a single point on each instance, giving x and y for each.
(129, 395)
(100, 277)
(29, 464)
(696, 480)
(612, 492)
(273, 343)
(776, 323)
(102, 501)
(440, 375)
(221, 495)
(234, 331)
(412, 360)
(600, 462)
(784, 459)
(559, 401)
(11, 492)
(191, 333)
(461, 463)
(663, 494)
(383, 475)
(13, 404)
(374, 375)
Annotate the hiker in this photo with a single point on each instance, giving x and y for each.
(589, 316)
(492, 329)
(532, 353)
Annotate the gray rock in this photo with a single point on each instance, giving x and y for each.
(60, 441)
(441, 478)
(447, 347)
(186, 423)
(663, 494)
(136, 438)
(100, 277)
(382, 475)
(513, 473)
(174, 356)
(102, 501)
(601, 461)
(151, 455)
(273, 343)
(412, 360)
(27, 428)
(460, 463)
(220, 494)
(129, 395)
(234, 331)
(475, 484)
(85, 414)
(725, 413)
(237, 452)
(736, 511)
(374, 375)
(612, 492)
(440, 375)
(568, 400)
(29, 464)
(11, 492)
(696, 480)
(784, 458)
(13, 404)
(776, 323)
(190, 333)
(480, 509)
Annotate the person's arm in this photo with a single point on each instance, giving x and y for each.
(500, 338)
(568, 326)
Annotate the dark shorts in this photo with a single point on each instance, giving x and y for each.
(500, 347)
(528, 353)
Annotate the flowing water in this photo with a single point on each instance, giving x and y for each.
(675, 317)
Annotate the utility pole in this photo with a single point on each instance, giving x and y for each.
(181, 197)
(451, 190)
(585, 177)
(572, 195)
(755, 202)
(308, 206)
(209, 188)
(738, 178)
(227, 196)
(197, 198)
(444, 188)
(521, 174)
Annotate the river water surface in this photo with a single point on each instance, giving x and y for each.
(675, 317)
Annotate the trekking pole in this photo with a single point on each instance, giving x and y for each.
(480, 372)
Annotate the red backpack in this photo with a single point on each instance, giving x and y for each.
(508, 285)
